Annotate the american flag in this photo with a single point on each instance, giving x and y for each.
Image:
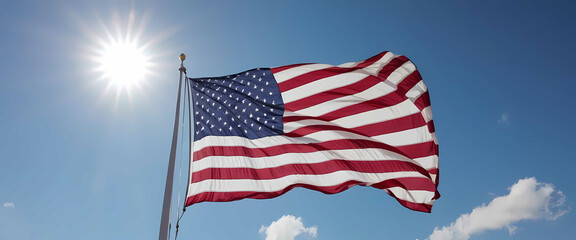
(260, 133)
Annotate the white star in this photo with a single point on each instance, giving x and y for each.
(270, 93)
(230, 128)
(254, 76)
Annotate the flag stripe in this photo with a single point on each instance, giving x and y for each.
(307, 169)
(374, 129)
(369, 154)
(321, 180)
(231, 196)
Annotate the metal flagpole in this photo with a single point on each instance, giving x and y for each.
(165, 222)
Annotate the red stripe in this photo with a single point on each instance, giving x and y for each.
(395, 125)
(431, 128)
(408, 83)
(341, 144)
(315, 169)
(232, 196)
(392, 66)
(423, 101)
(419, 150)
(312, 77)
(331, 94)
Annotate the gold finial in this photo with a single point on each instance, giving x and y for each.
(182, 57)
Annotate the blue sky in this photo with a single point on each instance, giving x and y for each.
(82, 158)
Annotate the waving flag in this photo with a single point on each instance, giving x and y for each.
(260, 133)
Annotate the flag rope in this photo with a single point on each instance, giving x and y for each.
(187, 96)
(186, 92)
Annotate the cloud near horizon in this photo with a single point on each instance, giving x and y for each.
(9, 205)
(528, 199)
(287, 228)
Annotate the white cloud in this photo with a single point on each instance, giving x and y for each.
(9, 205)
(504, 119)
(287, 228)
(528, 199)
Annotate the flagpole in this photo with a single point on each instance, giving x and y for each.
(165, 222)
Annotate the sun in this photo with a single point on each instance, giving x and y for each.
(123, 63)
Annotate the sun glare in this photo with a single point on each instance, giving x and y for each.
(123, 64)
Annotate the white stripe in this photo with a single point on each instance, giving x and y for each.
(417, 196)
(378, 115)
(401, 73)
(324, 180)
(367, 154)
(300, 70)
(317, 137)
(406, 137)
(427, 113)
(417, 91)
(322, 85)
(400, 138)
(378, 90)
(429, 162)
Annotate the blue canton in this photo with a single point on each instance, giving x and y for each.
(247, 104)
